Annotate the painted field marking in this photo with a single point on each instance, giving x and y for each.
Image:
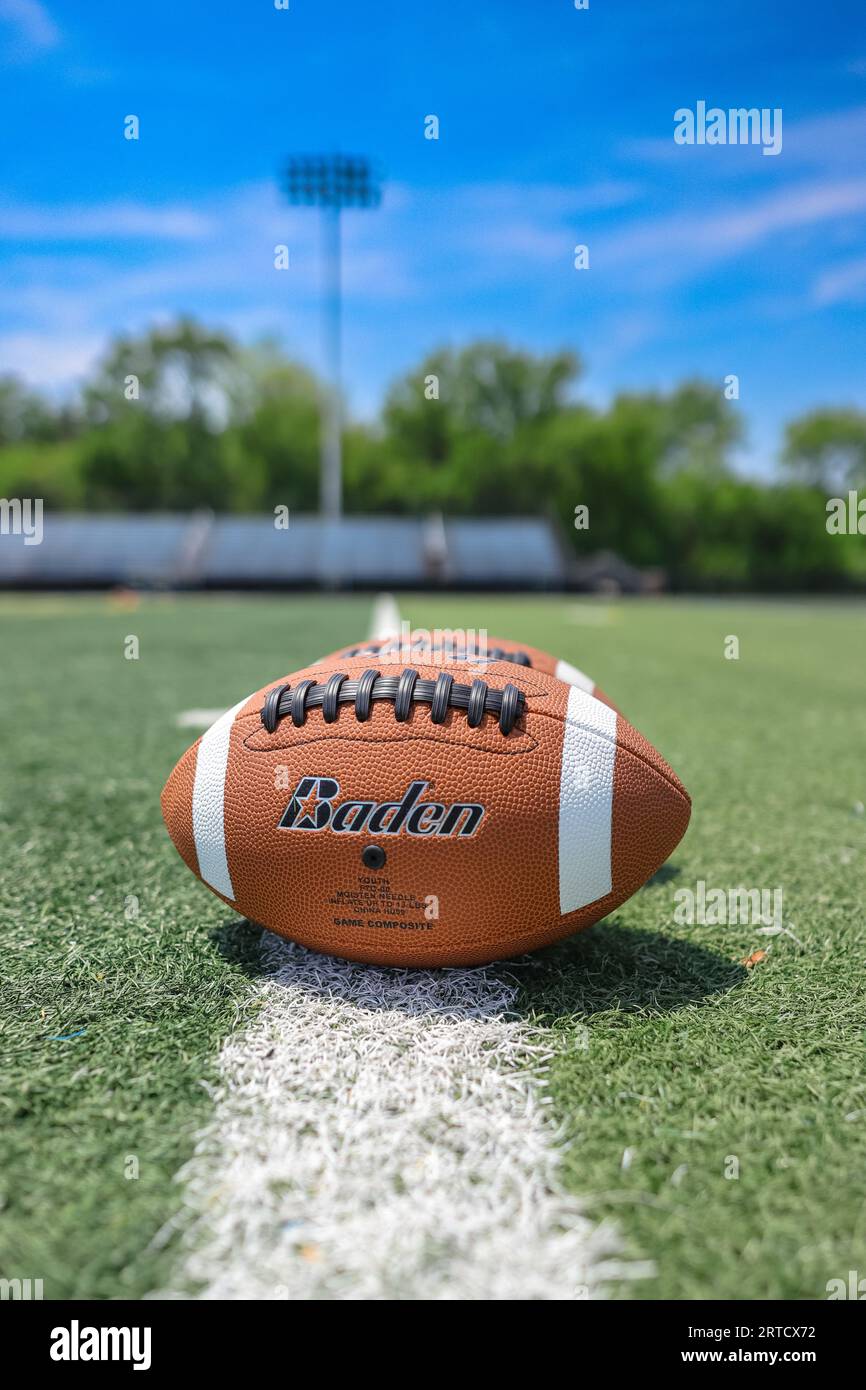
(384, 1134)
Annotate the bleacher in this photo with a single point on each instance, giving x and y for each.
(201, 551)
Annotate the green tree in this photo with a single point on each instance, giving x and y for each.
(827, 448)
(181, 372)
(693, 427)
(487, 388)
(26, 415)
(274, 440)
(608, 463)
(157, 407)
(702, 428)
(208, 425)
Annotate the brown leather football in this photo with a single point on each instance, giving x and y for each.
(425, 815)
(426, 645)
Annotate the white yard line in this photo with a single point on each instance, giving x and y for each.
(197, 718)
(383, 1134)
(385, 618)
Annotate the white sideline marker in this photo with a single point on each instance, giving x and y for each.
(383, 1134)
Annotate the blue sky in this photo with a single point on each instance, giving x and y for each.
(556, 128)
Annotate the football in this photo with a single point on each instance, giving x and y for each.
(422, 643)
(423, 816)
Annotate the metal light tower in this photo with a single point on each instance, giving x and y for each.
(331, 182)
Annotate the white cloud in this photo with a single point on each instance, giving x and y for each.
(530, 222)
(839, 137)
(841, 283)
(110, 221)
(675, 247)
(31, 24)
(213, 257)
(546, 199)
(49, 361)
(836, 138)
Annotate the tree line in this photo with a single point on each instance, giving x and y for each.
(182, 418)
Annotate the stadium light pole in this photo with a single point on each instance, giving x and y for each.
(332, 182)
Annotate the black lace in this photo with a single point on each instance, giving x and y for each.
(477, 699)
(456, 650)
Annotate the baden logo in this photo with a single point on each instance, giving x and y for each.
(315, 806)
(77, 1343)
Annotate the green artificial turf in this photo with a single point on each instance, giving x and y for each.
(675, 1059)
(121, 977)
(112, 1021)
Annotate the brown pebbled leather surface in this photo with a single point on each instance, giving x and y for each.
(176, 802)
(541, 660)
(497, 891)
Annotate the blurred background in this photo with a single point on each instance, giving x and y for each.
(669, 408)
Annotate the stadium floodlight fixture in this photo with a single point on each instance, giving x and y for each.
(332, 182)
